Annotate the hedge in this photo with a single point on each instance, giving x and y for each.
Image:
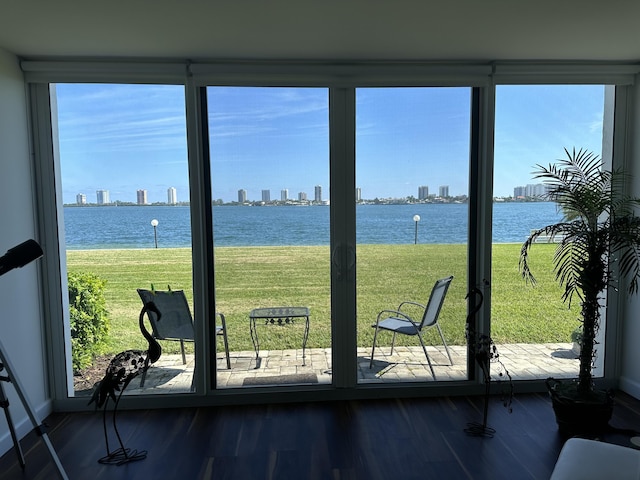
(89, 318)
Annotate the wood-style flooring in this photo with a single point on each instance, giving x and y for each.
(419, 438)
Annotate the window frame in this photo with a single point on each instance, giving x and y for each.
(342, 79)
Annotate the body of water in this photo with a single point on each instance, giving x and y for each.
(130, 226)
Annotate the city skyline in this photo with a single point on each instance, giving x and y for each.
(111, 136)
(103, 197)
(529, 190)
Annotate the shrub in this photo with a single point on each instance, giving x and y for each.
(89, 318)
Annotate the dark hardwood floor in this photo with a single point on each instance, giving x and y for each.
(370, 439)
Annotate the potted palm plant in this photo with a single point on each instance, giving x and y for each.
(598, 247)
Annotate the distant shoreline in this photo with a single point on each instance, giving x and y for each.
(110, 227)
(310, 203)
(109, 249)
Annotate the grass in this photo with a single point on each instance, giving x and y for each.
(251, 277)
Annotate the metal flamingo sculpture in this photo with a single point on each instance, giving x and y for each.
(122, 369)
(481, 351)
(484, 352)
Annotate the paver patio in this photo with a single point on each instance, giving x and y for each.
(407, 364)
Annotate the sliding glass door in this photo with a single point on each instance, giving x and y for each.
(269, 150)
(412, 177)
(323, 216)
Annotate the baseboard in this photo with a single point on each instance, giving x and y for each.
(21, 422)
(632, 387)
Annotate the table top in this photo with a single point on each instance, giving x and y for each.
(279, 312)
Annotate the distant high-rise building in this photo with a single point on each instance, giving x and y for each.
(172, 196)
(423, 192)
(242, 195)
(317, 197)
(284, 194)
(531, 190)
(102, 197)
(81, 199)
(443, 191)
(302, 197)
(358, 194)
(142, 197)
(537, 190)
(266, 196)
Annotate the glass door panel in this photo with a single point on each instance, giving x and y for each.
(125, 188)
(412, 176)
(533, 126)
(269, 150)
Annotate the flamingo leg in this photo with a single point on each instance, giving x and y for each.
(104, 427)
(123, 450)
(121, 455)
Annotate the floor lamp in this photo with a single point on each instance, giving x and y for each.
(18, 257)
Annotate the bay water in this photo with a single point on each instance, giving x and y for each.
(93, 227)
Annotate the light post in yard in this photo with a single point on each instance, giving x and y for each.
(154, 224)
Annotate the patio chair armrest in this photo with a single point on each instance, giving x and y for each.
(223, 320)
(411, 303)
(394, 313)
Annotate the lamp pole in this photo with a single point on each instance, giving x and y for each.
(416, 218)
(154, 224)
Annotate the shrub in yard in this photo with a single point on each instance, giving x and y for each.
(88, 317)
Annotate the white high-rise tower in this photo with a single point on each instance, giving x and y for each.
(172, 196)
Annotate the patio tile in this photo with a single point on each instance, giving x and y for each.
(523, 361)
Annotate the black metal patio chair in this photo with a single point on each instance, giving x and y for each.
(177, 321)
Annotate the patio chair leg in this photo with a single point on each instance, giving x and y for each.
(225, 339)
(226, 349)
(144, 377)
(445, 344)
(433, 373)
(393, 342)
(373, 349)
(184, 357)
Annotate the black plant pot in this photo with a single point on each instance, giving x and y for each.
(578, 416)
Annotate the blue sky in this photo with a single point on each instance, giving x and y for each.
(123, 138)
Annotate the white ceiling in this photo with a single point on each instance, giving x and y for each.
(324, 29)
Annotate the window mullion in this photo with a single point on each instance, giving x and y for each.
(343, 234)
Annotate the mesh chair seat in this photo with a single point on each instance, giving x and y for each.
(399, 325)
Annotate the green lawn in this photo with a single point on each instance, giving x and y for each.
(250, 277)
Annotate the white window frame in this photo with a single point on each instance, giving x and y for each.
(342, 79)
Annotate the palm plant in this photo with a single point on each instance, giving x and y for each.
(599, 241)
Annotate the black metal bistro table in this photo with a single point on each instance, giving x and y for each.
(280, 316)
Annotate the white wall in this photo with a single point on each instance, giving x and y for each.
(20, 297)
(630, 371)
